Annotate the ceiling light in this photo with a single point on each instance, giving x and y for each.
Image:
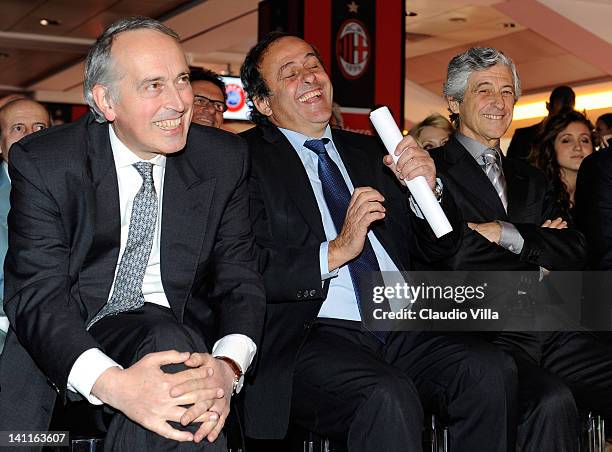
(48, 22)
(411, 14)
(459, 20)
(508, 25)
(592, 101)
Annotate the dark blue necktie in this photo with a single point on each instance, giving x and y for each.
(337, 197)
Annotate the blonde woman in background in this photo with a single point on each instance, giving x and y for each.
(432, 132)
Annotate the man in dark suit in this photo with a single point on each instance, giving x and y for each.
(561, 98)
(18, 118)
(319, 366)
(511, 225)
(594, 207)
(131, 257)
(594, 217)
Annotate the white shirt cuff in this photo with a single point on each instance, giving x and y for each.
(4, 323)
(237, 347)
(510, 238)
(323, 262)
(86, 370)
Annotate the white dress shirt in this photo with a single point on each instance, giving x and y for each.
(93, 362)
(341, 301)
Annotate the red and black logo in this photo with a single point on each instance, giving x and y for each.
(353, 48)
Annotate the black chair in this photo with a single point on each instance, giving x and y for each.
(85, 424)
(593, 433)
(435, 439)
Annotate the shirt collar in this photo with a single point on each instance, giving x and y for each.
(124, 157)
(5, 170)
(475, 148)
(297, 139)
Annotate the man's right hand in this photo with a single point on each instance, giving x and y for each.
(364, 208)
(142, 393)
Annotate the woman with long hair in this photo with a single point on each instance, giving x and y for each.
(564, 140)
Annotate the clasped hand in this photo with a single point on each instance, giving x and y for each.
(152, 398)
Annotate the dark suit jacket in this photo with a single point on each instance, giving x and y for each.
(520, 145)
(594, 207)
(64, 246)
(530, 203)
(289, 231)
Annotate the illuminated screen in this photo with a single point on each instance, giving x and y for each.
(236, 99)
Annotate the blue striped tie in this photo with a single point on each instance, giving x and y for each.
(337, 197)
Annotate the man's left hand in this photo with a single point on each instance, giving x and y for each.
(223, 377)
(490, 231)
(413, 162)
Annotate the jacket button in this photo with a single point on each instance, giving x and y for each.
(313, 292)
(299, 294)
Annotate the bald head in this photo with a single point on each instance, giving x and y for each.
(19, 118)
(10, 98)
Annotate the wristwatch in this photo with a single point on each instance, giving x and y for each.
(437, 190)
(238, 374)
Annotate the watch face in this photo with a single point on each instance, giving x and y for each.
(239, 384)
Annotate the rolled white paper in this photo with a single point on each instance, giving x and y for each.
(390, 135)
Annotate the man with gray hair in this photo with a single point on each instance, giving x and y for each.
(135, 285)
(511, 224)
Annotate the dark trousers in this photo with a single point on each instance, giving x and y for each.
(126, 338)
(559, 372)
(346, 381)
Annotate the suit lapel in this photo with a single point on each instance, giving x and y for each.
(102, 211)
(474, 183)
(290, 170)
(518, 187)
(185, 208)
(357, 162)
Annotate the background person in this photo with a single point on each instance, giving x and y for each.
(603, 126)
(561, 98)
(432, 132)
(19, 117)
(563, 142)
(209, 98)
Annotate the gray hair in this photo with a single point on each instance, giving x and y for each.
(99, 68)
(476, 59)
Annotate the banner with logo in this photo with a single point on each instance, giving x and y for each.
(353, 52)
(361, 43)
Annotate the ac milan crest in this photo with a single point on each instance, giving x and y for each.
(353, 48)
(235, 97)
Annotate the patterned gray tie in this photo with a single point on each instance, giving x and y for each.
(127, 292)
(493, 169)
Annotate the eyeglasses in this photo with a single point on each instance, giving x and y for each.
(204, 102)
